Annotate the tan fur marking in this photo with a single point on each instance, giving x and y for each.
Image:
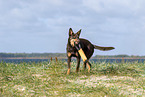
(76, 54)
(69, 54)
(88, 67)
(72, 42)
(68, 71)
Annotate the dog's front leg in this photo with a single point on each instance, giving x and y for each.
(78, 63)
(69, 65)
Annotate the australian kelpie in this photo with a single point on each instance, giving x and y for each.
(74, 42)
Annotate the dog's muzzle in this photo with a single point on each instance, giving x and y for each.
(81, 52)
(73, 42)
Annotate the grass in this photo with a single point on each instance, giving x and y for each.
(50, 79)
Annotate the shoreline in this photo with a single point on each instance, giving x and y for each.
(74, 58)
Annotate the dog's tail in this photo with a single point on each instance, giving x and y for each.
(103, 48)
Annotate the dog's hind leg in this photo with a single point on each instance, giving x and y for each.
(78, 64)
(89, 66)
(84, 65)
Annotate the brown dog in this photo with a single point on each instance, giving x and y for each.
(75, 43)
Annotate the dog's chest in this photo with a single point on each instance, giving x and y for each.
(72, 51)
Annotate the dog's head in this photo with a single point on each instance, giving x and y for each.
(74, 37)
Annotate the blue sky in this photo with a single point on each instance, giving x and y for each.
(42, 25)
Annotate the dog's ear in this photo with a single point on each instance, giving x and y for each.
(79, 32)
(71, 32)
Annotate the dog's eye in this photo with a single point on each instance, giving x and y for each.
(71, 37)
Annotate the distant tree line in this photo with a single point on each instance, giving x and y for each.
(108, 56)
(5, 55)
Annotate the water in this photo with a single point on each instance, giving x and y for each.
(22, 60)
(118, 60)
(92, 60)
